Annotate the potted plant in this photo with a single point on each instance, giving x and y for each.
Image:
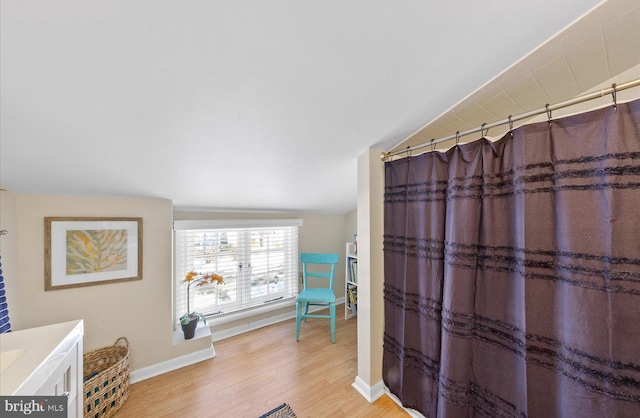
(189, 321)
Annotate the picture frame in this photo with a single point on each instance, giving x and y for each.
(88, 251)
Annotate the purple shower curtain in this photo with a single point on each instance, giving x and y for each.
(512, 272)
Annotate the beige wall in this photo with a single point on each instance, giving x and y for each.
(351, 225)
(139, 310)
(9, 254)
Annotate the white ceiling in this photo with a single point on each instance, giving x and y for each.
(241, 105)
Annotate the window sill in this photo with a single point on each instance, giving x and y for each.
(251, 312)
(202, 331)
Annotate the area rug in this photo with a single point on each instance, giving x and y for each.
(282, 411)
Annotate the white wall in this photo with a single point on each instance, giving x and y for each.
(370, 273)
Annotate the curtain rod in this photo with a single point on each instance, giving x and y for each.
(547, 109)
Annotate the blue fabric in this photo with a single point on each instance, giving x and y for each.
(5, 325)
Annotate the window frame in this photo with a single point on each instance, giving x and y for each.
(260, 304)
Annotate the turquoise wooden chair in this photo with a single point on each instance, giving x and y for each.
(322, 296)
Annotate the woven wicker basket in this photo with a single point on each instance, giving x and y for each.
(106, 379)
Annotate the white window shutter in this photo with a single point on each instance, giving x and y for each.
(258, 260)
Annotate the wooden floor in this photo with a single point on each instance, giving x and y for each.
(257, 371)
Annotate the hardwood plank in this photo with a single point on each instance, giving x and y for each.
(257, 371)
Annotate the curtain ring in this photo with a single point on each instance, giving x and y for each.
(614, 94)
(548, 112)
(457, 137)
(510, 126)
(408, 151)
(482, 129)
(433, 146)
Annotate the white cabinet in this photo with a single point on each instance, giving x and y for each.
(351, 282)
(49, 363)
(64, 381)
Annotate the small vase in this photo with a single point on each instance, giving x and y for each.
(189, 330)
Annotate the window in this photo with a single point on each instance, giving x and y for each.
(257, 259)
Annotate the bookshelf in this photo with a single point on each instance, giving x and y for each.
(351, 282)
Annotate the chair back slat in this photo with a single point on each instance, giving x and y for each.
(308, 259)
(317, 274)
(316, 258)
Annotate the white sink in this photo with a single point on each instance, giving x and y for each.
(7, 358)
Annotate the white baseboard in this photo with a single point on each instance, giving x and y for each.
(370, 393)
(173, 364)
(250, 326)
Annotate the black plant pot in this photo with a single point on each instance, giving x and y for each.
(189, 330)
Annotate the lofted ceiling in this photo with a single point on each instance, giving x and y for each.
(254, 105)
(600, 49)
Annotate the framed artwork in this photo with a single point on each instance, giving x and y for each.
(91, 251)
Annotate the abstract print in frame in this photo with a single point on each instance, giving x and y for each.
(91, 251)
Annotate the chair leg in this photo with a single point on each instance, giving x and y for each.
(298, 319)
(306, 311)
(332, 312)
